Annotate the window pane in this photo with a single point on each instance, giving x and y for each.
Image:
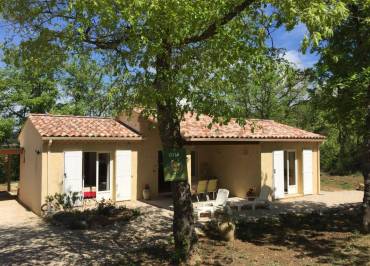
(104, 172)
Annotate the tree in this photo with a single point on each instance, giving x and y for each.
(178, 56)
(25, 87)
(86, 88)
(344, 91)
(271, 88)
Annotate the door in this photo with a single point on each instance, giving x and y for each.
(163, 186)
(278, 174)
(123, 175)
(73, 172)
(307, 172)
(291, 166)
(103, 179)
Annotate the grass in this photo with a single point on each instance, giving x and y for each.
(335, 182)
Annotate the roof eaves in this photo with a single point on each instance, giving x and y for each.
(94, 138)
(261, 139)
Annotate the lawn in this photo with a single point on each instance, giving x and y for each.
(336, 182)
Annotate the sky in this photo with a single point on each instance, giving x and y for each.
(291, 42)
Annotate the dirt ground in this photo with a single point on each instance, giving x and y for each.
(336, 183)
(25, 239)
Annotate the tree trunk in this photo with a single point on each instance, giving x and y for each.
(366, 168)
(183, 220)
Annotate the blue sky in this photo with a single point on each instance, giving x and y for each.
(291, 41)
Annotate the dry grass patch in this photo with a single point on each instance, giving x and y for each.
(336, 182)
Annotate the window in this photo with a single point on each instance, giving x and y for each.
(103, 168)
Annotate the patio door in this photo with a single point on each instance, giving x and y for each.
(278, 174)
(103, 177)
(290, 172)
(73, 172)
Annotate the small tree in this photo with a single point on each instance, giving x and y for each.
(177, 56)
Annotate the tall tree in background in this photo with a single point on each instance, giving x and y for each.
(344, 92)
(87, 88)
(270, 88)
(184, 54)
(26, 86)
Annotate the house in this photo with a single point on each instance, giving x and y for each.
(115, 158)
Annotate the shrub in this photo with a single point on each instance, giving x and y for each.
(60, 202)
(105, 214)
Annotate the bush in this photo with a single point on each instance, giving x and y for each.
(105, 214)
(60, 202)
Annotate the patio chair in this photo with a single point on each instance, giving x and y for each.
(212, 187)
(263, 198)
(201, 188)
(218, 204)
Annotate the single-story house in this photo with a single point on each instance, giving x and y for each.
(115, 158)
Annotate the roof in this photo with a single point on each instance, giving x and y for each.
(193, 128)
(59, 126)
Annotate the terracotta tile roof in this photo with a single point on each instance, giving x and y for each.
(80, 126)
(193, 128)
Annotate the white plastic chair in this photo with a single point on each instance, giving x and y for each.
(219, 203)
(263, 198)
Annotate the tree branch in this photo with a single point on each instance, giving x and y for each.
(212, 29)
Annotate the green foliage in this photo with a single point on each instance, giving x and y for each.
(202, 42)
(271, 88)
(60, 202)
(104, 214)
(87, 87)
(6, 129)
(343, 74)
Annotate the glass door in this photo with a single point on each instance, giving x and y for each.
(291, 172)
(103, 179)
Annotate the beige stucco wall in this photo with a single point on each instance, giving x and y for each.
(236, 166)
(148, 149)
(53, 166)
(267, 149)
(30, 168)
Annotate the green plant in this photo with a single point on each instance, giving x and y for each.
(105, 207)
(59, 202)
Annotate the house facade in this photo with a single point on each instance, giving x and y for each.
(116, 158)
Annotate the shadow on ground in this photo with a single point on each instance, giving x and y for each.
(326, 234)
(4, 195)
(42, 244)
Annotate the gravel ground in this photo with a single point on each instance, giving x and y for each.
(25, 239)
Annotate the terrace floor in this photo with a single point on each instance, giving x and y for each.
(325, 199)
